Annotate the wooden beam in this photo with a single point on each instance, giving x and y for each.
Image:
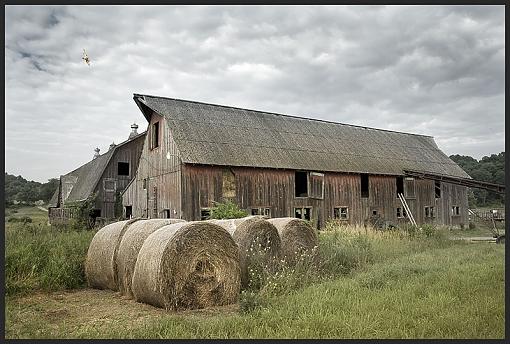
(457, 180)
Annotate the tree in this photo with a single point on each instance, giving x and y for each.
(488, 169)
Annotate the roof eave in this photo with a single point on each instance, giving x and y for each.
(140, 102)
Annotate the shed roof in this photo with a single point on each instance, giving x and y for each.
(84, 179)
(222, 135)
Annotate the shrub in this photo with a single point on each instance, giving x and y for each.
(471, 225)
(226, 210)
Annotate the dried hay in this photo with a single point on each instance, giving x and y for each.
(187, 265)
(129, 247)
(256, 238)
(100, 267)
(296, 235)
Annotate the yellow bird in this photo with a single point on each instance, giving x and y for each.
(85, 57)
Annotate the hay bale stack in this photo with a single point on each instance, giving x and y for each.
(254, 235)
(129, 248)
(296, 235)
(187, 265)
(100, 267)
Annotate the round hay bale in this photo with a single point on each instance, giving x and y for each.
(256, 239)
(187, 265)
(100, 267)
(296, 235)
(130, 245)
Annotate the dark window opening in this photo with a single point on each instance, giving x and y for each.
(301, 184)
(374, 212)
(303, 213)
(400, 185)
(455, 211)
(205, 213)
(341, 213)
(155, 135)
(145, 183)
(401, 213)
(261, 211)
(129, 211)
(364, 185)
(123, 168)
(429, 212)
(166, 213)
(437, 188)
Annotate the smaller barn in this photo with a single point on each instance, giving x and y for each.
(99, 181)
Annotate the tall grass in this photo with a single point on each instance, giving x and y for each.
(342, 250)
(40, 257)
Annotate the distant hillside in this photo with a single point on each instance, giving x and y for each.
(488, 169)
(19, 189)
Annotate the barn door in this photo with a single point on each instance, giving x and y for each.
(109, 189)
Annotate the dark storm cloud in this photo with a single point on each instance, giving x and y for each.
(434, 70)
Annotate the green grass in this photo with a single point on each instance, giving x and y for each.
(357, 285)
(40, 257)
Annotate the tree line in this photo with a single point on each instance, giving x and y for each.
(18, 189)
(488, 169)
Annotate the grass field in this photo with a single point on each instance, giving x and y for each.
(367, 285)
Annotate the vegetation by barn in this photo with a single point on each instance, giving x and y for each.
(368, 284)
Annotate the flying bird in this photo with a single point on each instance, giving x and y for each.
(85, 57)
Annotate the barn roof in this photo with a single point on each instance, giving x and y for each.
(222, 135)
(85, 178)
(54, 199)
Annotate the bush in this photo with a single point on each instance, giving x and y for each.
(471, 225)
(227, 210)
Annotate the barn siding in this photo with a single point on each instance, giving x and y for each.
(129, 153)
(258, 187)
(161, 173)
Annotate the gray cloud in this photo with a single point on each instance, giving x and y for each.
(433, 70)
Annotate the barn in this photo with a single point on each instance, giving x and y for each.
(100, 180)
(195, 154)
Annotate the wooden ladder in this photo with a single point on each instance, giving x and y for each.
(406, 207)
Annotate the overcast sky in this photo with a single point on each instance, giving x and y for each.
(433, 70)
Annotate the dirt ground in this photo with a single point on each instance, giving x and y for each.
(79, 310)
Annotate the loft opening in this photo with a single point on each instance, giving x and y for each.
(437, 188)
(123, 168)
(364, 185)
(155, 135)
(400, 185)
(301, 184)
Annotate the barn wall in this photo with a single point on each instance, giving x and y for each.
(130, 153)
(274, 189)
(163, 177)
(453, 195)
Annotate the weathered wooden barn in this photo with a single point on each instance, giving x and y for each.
(102, 178)
(279, 165)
